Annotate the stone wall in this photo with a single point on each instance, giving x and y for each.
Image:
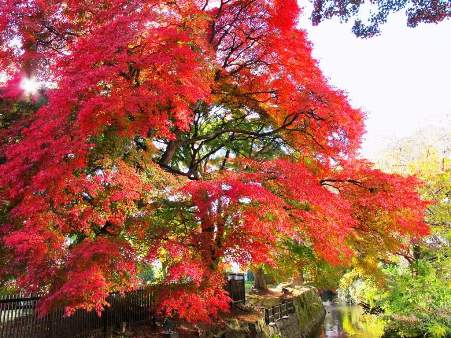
(309, 313)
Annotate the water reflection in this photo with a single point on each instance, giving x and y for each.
(349, 321)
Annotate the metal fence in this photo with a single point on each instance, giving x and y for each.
(18, 317)
(236, 287)
(279, 311)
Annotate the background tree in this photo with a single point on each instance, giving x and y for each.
(297, 262)
(416, 12)
(426, 154)
(415, 290)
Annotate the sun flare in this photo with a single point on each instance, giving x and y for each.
(30, 86)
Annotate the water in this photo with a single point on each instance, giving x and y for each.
(344, 320)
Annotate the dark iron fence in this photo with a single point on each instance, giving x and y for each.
(236, 287)
(18, 317)
(279, 311)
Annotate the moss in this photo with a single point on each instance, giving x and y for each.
(309, 308)
(309, 313)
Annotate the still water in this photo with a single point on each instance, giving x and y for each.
(348, 321)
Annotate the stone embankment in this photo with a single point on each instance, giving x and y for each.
(307, 315)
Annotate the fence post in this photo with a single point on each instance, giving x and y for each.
(50, 326)
(104, 323)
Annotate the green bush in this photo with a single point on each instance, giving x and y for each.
(418, 303)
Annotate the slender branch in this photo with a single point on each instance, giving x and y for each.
(328, 182)
(176, 171)
(289, 120)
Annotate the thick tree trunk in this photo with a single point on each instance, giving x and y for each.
(298, 278)
(171, 148)
(259, 280)
(169, 152)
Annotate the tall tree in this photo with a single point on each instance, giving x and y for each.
(426, 154)
(415, 294)
(193, 133)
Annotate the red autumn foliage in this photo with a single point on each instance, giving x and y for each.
(192, 133)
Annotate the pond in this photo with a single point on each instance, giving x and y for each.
(344, 320)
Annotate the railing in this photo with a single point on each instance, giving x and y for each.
(279, 311)
(18, 316)
(19, 319)
(236, 287)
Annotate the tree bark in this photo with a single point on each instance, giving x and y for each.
(170, 150)
(298, 278)
(259, 280)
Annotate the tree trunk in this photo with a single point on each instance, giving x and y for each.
(298, 278)
(259, 280)
(171, 148)
(169, 152)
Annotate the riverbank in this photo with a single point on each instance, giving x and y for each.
(302, 313)
(301, 321)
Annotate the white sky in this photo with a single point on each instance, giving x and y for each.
(401, 79)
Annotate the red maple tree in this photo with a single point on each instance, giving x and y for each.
(193, 133)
